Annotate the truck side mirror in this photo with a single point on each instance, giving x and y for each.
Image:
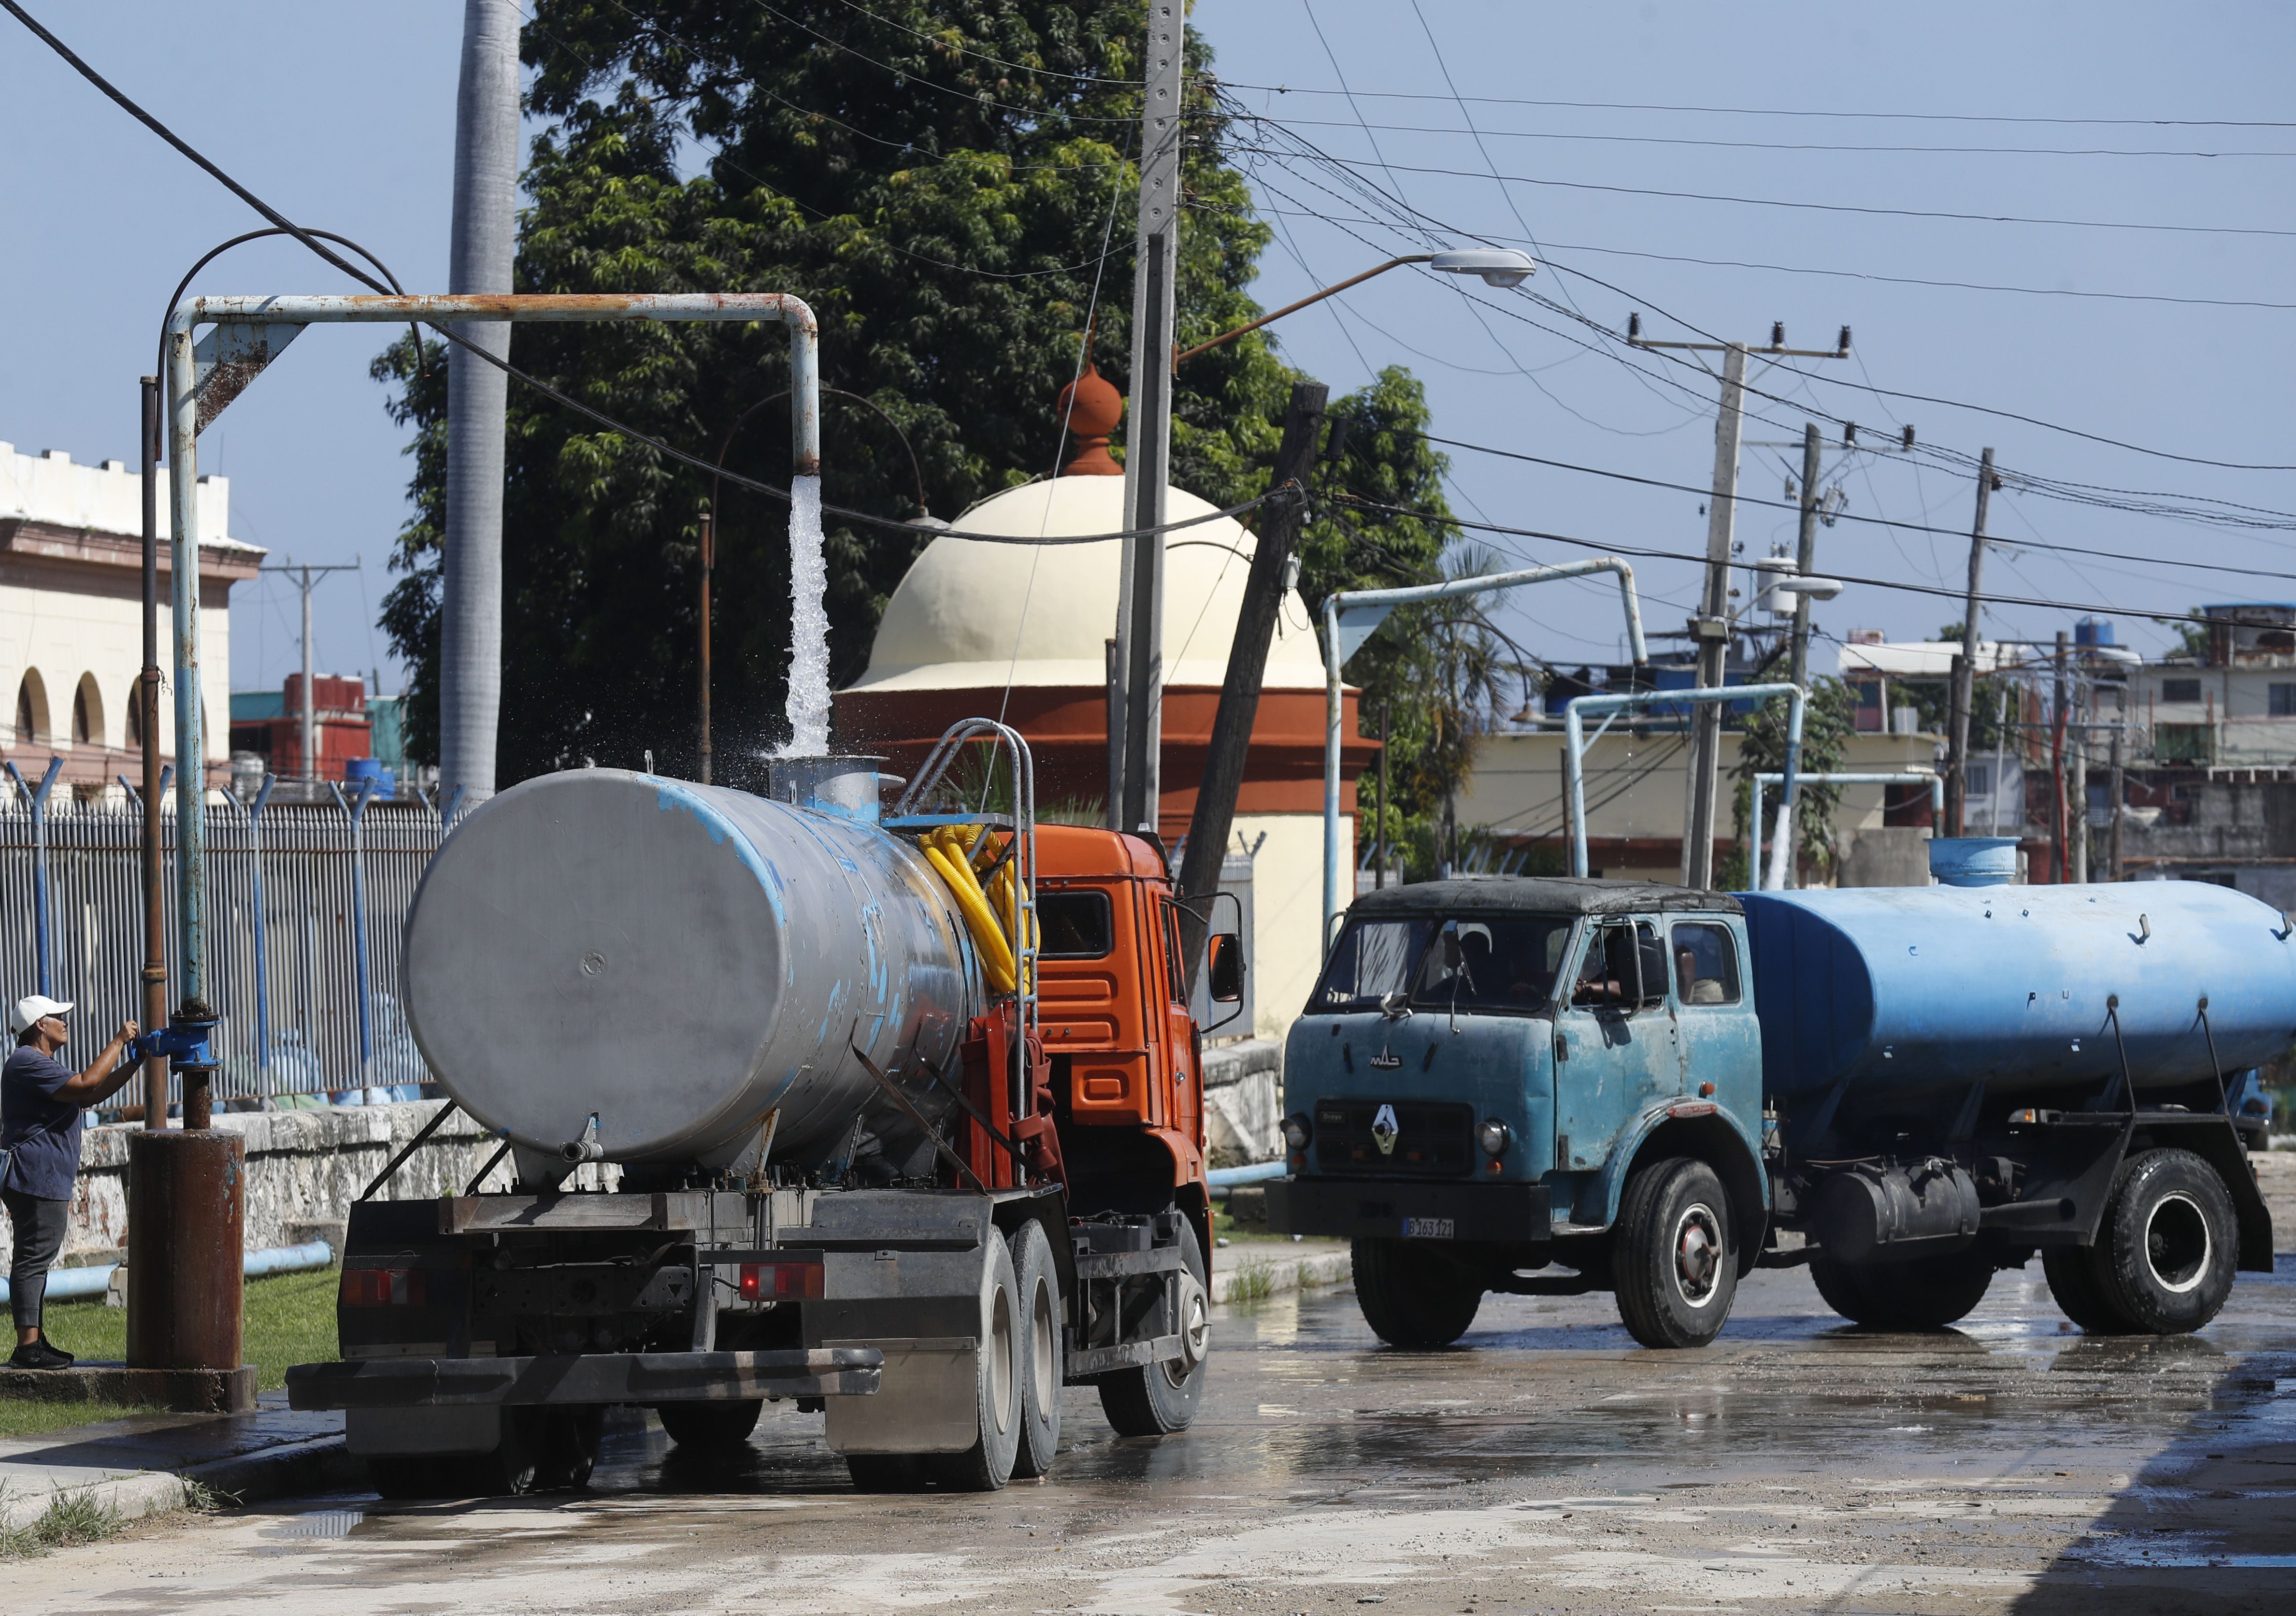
(1226, 969)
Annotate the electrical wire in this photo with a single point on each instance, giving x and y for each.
(310, 240)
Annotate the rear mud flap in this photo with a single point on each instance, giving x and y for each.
(925, 1400)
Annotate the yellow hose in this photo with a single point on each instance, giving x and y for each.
(995, 954)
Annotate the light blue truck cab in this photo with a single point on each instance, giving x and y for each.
(1501, 1079)
(1500, 1076)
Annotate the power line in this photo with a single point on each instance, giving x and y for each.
(1629, 106)
(1771, 201)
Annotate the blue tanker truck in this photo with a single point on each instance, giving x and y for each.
(1548, 1086)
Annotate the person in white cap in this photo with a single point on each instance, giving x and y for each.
(43, 1103)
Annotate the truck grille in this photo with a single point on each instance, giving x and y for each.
(1430, 1141)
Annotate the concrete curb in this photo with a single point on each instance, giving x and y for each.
(1253, 1277)
(316, 1465)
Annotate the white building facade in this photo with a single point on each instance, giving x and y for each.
(72, 616)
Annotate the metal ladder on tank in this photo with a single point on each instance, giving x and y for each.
(1007, 742)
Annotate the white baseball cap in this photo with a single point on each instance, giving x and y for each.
(31, 1007)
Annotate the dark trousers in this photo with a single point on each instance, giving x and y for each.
(39, 1236)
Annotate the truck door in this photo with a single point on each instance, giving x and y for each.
(1617, 1043)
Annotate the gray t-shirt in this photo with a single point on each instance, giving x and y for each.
(40, 1131)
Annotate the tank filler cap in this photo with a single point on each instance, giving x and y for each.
(1973, 861)
(848, 787)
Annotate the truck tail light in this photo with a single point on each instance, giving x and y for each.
(780, 1281)
(383, 1288)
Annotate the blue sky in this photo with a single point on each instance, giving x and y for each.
(350, 127)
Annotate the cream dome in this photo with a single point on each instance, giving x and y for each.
(969, 615)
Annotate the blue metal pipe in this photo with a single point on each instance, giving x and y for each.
(78, 1285)
(38, 798)
(1257, 1172)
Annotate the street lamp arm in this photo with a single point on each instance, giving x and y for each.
(1353, 279)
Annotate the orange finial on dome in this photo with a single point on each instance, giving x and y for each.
(1089, 407)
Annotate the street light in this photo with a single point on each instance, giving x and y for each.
(1497, 266)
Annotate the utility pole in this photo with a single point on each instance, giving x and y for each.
(147, 693)
(2118, 786)
(1710, 628)
(2077, 778)
(1964, 678)
(1805, 558)
(1378, 836)
(1247, 667)
(308, 723)
(480, 257)
(1148, 448)
(2059, 719)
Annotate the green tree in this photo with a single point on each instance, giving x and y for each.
(1827, 723)
(937, 181)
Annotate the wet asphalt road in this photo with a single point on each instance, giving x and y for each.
(1548, 1465)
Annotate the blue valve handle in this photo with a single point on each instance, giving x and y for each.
(186, 1045)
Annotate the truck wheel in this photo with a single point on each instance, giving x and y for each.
(988, 1464)
(1157, 1399)
(512, 1468)
(1043, 1367)
(2169, 1243)
(1673, 1256)
(1411, 1295)
(710, 1426)
(1927, 1293)
(568, 1450)
(2071, 1273)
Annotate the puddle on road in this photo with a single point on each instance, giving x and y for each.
(319, 1523)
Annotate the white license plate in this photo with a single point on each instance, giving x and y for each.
(1430, 1228)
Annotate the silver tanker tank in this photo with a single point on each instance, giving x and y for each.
(653, 966)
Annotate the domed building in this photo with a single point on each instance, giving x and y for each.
(1023, 631)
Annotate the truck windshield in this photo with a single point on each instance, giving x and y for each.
(1463, 963)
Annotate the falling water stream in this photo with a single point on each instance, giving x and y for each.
(808, 676)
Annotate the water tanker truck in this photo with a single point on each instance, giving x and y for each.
(902, 1117)
(1552, 1086)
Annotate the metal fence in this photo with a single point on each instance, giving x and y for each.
(307, 905)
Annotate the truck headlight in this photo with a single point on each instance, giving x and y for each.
(1493, 1136)
(1296, 1130)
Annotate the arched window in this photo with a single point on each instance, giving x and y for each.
(136, 716)
(87, 713)
(32, 709)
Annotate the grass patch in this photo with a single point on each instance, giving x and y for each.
(70, 1518)
(288, 1318)
(1251, 1282)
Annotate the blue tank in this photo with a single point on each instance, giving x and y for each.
(1915, 986)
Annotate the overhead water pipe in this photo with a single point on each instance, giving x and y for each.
(1352, 615)
(1935, 782)
(250, 332)
(1574, 760)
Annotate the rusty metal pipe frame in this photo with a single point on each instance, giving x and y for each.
(184, 423)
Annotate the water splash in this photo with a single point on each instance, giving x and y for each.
(808, 674)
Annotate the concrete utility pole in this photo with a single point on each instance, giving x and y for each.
(1246, 666)
(2058, 832)
(1964, 678)
(482, 255)
(1710, 628)
(1805, 557)
(1148, 448)
(308, 718)
(147, 695)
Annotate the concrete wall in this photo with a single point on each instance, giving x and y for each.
(1243, 1102)
(302, 1166)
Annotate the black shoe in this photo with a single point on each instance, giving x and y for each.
(40, 1355)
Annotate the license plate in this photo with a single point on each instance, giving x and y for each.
(1430, 1228)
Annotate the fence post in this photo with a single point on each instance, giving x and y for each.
(262, 948)
(37, 798)
(356, 810)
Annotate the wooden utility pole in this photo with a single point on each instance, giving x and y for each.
(1805, 557)
(1964, 681)
(1710, 628)
(1148, 446)
(1246, 666)
(2060, 718)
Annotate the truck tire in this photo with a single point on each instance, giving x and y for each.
(1412, 1296)
(1044, 1364)
(2072, 1276)
(710, 1426)
(1673, 1258)
(2166, 1254)
(567, 1449)
(1927, 1293)
(1157, 1399)
(988, 1464)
